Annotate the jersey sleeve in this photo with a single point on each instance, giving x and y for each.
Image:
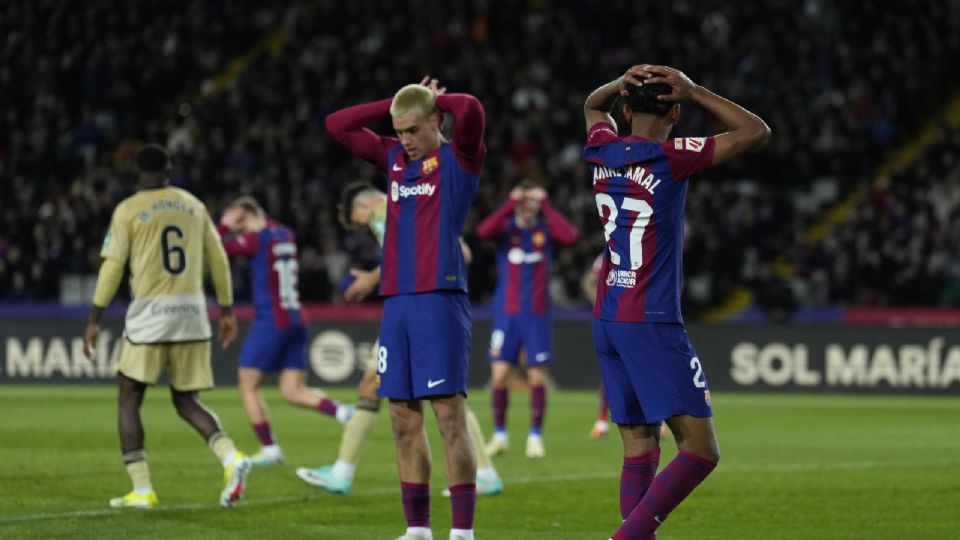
(468, 129)
(602, 133)
(239, 244)
(219, 265)
(688, 156)
(116, 244)
(348, 127)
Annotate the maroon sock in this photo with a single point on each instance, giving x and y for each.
(669, 488)
(416, 504)
(327, 406)
(538, 408)
(635, 477)
(500, 401)
(263, 433)
(463, 501)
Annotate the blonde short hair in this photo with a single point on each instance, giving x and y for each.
(413, 96)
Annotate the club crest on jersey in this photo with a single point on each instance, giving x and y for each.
(622, 278)
(539, 238)
(430, 165)
(694, 144)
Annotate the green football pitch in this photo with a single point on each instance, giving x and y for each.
(793, 467)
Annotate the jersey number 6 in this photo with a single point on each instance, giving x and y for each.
(174, 259)
(643, 210)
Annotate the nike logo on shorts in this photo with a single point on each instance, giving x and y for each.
(397, 168)
(431, 384)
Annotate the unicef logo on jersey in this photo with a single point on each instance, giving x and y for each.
(622, 278)
(394, 191)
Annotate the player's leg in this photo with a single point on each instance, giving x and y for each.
(641, 453)
(338, 478)
(413, 464)
(293, 387)
(460, 462)
(670, 379)
(260, 354)
(504, 348)
(394, 367)
(442, 345)
(602, 424)
(139, 366)
(537, 342)
(536, 379)
(499, 402)
(130, 397)
(250, 380)
(293, 378)
(488, 480)
(189, 370)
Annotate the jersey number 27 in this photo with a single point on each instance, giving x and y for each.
(606, 205)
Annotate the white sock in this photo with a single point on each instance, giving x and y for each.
(466, 534)
(343, 413)
(500, 435)
(143, 490)
(422, 531)
(228, 458)
(343, 470)
(271, 448)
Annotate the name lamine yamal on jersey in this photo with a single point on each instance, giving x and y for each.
(635, 173)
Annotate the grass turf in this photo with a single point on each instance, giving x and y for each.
(794, 467)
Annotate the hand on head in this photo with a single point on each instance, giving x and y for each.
(233, 219)
(433, 85)
(680, 84)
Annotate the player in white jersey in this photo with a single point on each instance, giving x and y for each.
(363, 206)
(165, 234)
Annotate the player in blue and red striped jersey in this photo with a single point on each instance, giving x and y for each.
(425, 329)
(526, 228)
(650, 371)
(277, 340)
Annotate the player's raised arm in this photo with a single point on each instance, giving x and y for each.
(747, 131)
(468, 128)
(562, 231)
(493, 227)
(348, 127)
(600, 102)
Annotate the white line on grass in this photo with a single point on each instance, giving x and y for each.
(268, 501)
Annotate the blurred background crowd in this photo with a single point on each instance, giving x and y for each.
(238, 92)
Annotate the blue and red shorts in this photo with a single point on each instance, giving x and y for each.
(424, 345)
(270, 349)
(650, 372)
(511, 333)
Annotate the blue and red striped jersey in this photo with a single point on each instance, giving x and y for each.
(523, 257)
(427, 204)
(640, 190)
(274, 271)
(427, 198)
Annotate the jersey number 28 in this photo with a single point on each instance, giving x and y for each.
(643, 210)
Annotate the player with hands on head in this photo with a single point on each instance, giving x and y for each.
(526, 229)
(363, 206)
(425, 329)
(650, 370)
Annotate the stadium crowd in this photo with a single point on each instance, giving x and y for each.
(238, 91)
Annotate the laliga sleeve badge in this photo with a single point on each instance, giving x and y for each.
(706, 398)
